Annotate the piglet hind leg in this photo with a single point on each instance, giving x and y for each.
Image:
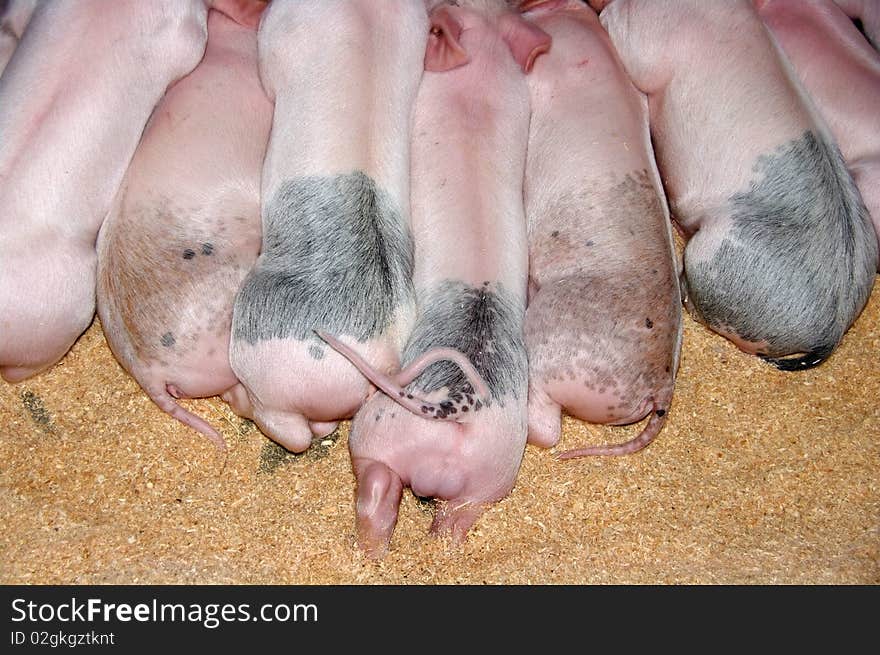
(287, 429)
(379, 490)
(545, 419)
(454, 519)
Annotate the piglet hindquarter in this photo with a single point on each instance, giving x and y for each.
(603, 326)
(74, 100)
(781, 255)
(337, 247)
(470, 135)
(841, 72)
(185, 227)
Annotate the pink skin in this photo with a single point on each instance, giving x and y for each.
(13, 22)
(868, 12)
(470, 135)
(343, 75)
(193, 186)
(68, 132)
(598, 230)
(841, 72)
(694, 96)
(394, 385)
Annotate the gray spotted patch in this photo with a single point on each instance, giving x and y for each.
(799, 260)
(482, 323)
(337, 255)
(606, 318)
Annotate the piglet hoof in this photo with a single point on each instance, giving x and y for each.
(803, 362)
(236, 397)
(545, 420)
(13, 374)
(455, 518)
(378, 499)
(291, 431)
(322, 428)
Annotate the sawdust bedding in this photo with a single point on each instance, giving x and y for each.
(759, 476)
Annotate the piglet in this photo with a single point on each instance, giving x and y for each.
(337, 247)
(603, 326)
(469, 145)
(14, 17)
(74, 100)
(841, 72)
(185, 227)
(781, 255)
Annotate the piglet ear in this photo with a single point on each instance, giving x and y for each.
(444, 51)
(525, 40)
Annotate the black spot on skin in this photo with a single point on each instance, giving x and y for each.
(484, 325)
(554, 233)
(661, 412)
(667, 369)
(410, 396)
(401, 394)
(189, 253)
(35, 407)
(316, 352)
(424, 410)
(167, 340)
(589, 243)
(649, 323)
(207, 248)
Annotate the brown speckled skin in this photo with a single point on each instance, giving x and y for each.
(603, 326)
(185, 227)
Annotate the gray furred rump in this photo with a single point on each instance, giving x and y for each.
(799, 260)
(337, 255)
(484, 324)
